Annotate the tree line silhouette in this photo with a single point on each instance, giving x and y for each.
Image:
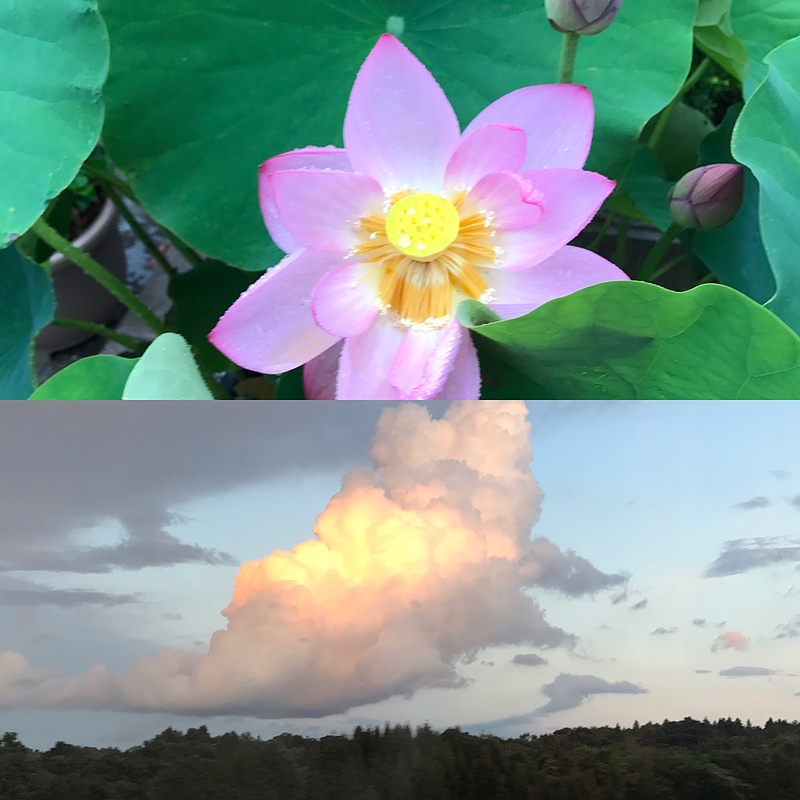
(682, 760)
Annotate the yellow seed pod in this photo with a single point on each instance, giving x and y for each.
(422, 226)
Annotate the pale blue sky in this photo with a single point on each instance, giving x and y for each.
(648, 489)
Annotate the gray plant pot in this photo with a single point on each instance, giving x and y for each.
(77, 295)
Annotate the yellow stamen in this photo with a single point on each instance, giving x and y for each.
(372, 224)
(464, 276)
(420, 286)
(458, 198)
(476, 251)
(417, 291)
(475, 223)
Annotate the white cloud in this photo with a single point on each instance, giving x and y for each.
(417, 564)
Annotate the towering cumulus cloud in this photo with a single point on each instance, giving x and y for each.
(416, 565)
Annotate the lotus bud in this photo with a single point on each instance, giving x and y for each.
(707, 197)
(585, 17)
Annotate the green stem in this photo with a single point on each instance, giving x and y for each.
(99, 330)
(710, 278)
(136, 227)
(187, 252)
(663, 118)
(622, 241)
(94, 270)
(106, 176)
(213, 385)
(658, 251)
(666, 268)
(603, 231)
(569, 49)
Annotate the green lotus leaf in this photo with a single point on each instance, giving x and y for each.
(166, 371)
(634, 340)
(53, 61)
(202, 91)
(26, 306)
(92, 378)
(767, 140)
(763, 25)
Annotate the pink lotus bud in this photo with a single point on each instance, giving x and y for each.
(707, 197)
(586, 17)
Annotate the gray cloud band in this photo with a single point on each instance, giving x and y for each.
(565, 691)
(37, 595)
(94, 463)
(742, 555)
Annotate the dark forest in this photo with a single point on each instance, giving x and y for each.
(685, 760)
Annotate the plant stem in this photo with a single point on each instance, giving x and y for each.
(94, 270)
(136, 227)
(569, 49)
(622, 241)
(213, 384)
(603, 231)
(99, 330)
(666, 268)
(187, 252)
(663, 118)
(657, 253)
(710, 278)
(106, 176)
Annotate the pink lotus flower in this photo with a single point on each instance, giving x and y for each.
(387, 236)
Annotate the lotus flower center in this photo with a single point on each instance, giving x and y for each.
(423, 225)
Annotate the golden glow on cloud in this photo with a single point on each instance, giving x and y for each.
(365, 543)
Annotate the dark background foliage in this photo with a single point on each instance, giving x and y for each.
(684, 760)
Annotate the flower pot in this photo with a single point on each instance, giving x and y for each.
(77, 295)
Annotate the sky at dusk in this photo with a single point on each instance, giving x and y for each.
(307, 567)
